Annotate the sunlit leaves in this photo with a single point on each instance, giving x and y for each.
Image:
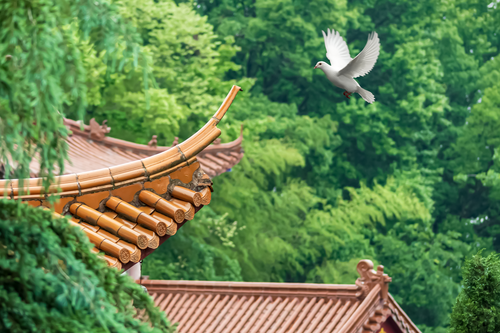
(43, 73)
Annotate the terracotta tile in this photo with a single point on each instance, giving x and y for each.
(32, 196)
(34, 203)
(74, 219)
(149, 198)
(224, 164)
(127, 171)
(95, 189)
(187, 207)
(113, 262)
(166, 207)
(94, 228)
(159, 185)
(95, 217)
(152, 223)
(113, 202)
(168, 171)
(108, 235)
(135, 253)
(171, 225)
(84, 212)
(115, 250)
(162, 161)
(5, 191)
(127, 193)
(191, 148)
(185, 174)
(131, 181)
(123, 208)
(98, 181)
(70, 194)
(59, 205)
(206, 196)
(64, 183)
(75, 224)
(185, 194)
(126, 223)
(94, 178)
(146, 209)
(211, 167)
(93, 199)
(111, 214)
(153, 240)
(147, 232)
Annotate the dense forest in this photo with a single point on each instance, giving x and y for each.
(411, 181)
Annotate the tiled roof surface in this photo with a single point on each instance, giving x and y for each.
(128, 210)
(245, 307)
(90, 149)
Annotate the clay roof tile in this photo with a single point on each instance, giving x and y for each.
(249, 307)
(112, 195)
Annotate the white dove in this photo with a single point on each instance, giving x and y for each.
(343, 68)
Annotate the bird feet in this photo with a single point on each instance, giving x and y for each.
(347, 94)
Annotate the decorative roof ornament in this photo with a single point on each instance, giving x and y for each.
(370, 278)
(98, 132)
(175, 142)
(153, 143)
(235, 307)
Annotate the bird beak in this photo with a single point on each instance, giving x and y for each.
(315, 66)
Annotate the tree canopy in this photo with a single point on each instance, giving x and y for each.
(477, 307)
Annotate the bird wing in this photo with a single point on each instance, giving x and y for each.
(336, 49)
(365, 60)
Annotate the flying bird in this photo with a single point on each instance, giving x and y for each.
(343, 69)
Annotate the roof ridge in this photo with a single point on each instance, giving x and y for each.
(362, 307)
(120, 175)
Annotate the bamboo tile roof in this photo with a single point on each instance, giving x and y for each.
(130, 209)
(247, 307)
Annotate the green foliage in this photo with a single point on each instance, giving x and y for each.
(299, 190)
(477, 309)
(411, 181)
(51, 282)
(43, 73)
(187, 63)
(197, 251)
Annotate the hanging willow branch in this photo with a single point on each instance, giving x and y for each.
(42, 74)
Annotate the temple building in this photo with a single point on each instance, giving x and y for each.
(247, 307)
(89, 149)
(130, 198)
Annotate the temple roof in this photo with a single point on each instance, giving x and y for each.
(128, 210)
(90, 149)
(247, 307)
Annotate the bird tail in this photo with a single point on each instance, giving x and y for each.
(366, 95)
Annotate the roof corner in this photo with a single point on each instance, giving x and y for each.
(369, 278)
